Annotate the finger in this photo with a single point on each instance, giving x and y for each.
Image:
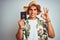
(47, 10)
(44, 9)
(43, 16)
(23, 20)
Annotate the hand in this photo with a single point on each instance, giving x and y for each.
(20, 32)
(21, 23)
(45, 15)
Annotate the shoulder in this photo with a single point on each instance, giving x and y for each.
(42, 22)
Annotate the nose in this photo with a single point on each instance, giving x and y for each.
(32, 11)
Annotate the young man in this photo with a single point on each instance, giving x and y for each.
(33, 28)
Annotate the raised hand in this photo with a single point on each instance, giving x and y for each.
(45, 15)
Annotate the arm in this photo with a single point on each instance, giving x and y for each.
(45, 16)
(51, 33)
(19, 35)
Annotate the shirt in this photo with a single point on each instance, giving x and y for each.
(35, 30)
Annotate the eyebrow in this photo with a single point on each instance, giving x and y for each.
(35, 9)
(31, 9)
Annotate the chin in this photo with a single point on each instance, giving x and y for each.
(32, 16)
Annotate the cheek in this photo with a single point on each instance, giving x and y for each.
(29, 12)
(36, 12)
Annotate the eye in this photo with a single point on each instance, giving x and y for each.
(30, 9)
(35, 9)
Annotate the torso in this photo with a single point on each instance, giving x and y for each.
(35, 30)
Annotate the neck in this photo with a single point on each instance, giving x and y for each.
(32, 18)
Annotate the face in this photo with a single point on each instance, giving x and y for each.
(32, 11)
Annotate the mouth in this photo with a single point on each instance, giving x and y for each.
(32, 14)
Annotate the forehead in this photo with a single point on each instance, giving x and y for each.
(33, 7)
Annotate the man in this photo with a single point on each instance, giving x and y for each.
(33, 28)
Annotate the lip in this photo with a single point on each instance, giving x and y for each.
(32, 14)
